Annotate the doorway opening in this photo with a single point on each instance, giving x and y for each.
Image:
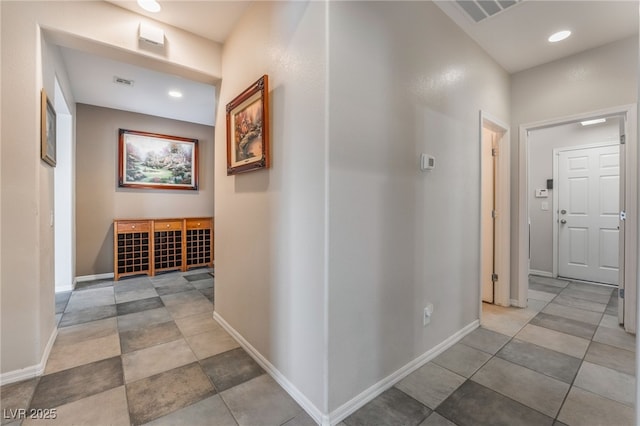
(557, 237)
(494, 211)
(64, 195)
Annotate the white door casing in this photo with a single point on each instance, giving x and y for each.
(502, 206)
(588, 213)
(488, 145)
(630, 257)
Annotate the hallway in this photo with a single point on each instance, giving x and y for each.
(147, 351)
(562, 360)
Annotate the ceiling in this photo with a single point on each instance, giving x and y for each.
(516, 38)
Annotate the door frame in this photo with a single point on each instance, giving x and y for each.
(556, 198)
(502, 224)
(630, 118)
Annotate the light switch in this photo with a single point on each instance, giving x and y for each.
(544, 206)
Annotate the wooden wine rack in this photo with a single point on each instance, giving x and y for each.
(149, 246)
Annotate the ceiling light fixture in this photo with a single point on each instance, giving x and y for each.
(559, 36)
(175, 94)
(150, 5)
(594, 121)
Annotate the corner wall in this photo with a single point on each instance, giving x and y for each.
(270, 224)
(99, 200)
(404, 80)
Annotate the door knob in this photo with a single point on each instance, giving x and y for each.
(563, 211)
(563, 221)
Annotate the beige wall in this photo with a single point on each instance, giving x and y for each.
(270, 224)
(599, 78)
(99, 200)
(404, 79)
(26, 239)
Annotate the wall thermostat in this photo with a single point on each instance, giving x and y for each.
(542, 193)
(427, 162)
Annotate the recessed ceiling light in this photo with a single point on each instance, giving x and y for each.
(559, 36)
(149, 5)
(175, 94)
(594, 121)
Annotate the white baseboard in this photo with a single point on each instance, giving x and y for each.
(540, 273)
(289, 387)
(64, 288)
(358, 401)
(83, 278)
(516, 303)
(369, 394)
(32, 371)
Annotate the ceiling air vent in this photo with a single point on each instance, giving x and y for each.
(479, 10)
(123, 81)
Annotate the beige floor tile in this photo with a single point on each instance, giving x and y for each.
(430, 384)
(260, 401)
(186, 309)
(606, 382)
(87, 331)
(586, 408)
(211, 343)
(615, 337)
(211, 411)
(532, 389)
(462, 359)
(90, 298)
(541, 295)
(143, 319)
(64, 356)
(612, 357)
(610, 321)
(554, 340)
(106, 408)
(507, 321)
(577, 314)
(196, 324)
(156, 359)
(182, 297)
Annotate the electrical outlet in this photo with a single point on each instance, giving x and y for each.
(428, 311)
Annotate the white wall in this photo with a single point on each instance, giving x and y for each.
(599, 78)
(542, 142)
(270, 224)
(404, 79)
(26, 239)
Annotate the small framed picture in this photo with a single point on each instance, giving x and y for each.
(150, 160)
(248, 129)
(47, 130)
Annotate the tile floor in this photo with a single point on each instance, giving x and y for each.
(562, 361)
(147, 351)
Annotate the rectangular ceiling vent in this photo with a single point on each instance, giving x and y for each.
(123, 81)
(479, 10)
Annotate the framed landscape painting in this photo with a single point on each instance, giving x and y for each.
(248, 129)
(150, 160)
(47, 131)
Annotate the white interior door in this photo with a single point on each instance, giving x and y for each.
(488, 221)
(588, 213)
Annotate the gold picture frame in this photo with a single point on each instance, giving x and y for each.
(47, 130)
(248, 129)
